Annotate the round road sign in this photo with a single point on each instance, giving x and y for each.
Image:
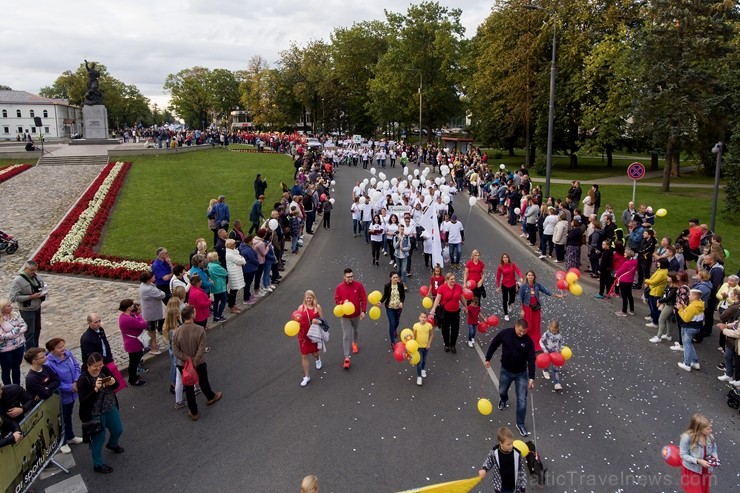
(636, 171)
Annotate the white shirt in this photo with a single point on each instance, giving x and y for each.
(367, 212)
(453, 232)
(356, 209)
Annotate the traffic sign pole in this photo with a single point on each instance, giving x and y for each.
(635, 171)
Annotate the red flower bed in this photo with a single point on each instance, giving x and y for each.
(92, 236)
(15, 171)
(264, 151)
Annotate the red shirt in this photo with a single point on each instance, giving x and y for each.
(436, 282)
(505, 274)
(354, 292)
(694, 237)
(475, 271)
(201, 302)
(450, 297)
(473, 314)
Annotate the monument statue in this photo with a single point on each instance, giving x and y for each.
(93, 96)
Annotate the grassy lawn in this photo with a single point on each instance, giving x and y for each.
(164, 199)
(4, 163)
(681, 203)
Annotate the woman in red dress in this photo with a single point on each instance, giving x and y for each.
(310, 310)
(530, 296)
(475, 270)
(506, 280)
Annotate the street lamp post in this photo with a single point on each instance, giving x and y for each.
(551, 116)
(717, 149)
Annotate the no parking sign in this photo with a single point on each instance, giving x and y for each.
(635, 171)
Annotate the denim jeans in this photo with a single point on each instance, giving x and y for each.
(266, 275)
(294, 243)
(401, 263)
(689, 353)
(506, 378)
(67, 411)
(112, 421)
(729, 364)
(455, 252)
(394, 317)
(11, 361)
(652, 302)
(422, 361)
(356, 226)
(555, 372)
(219, 303)
(471, 331)
(366, 225)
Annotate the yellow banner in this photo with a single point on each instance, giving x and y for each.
(460, 486)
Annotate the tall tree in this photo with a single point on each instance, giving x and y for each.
(190, 95)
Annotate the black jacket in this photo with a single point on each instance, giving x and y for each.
(387, 293)
(88, 396)
(15, 396)
(517, 353)
(94, 342)
(42, 384)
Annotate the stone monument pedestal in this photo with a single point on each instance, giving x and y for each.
(95, 122)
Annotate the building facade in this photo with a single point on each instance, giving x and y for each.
(18, 110)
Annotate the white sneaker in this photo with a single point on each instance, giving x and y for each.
(695, 366)
(318, 364)
(418, 381)
(390, 263)
(655, 339)
(270, 289)
(684, 367)
(65, 449)
(75, 441)
(273, 286)
(676, 347)
(546, 374)
(470, 343)
(666, 337)
(648, 317)
(506, 317)
(259, 294)
(423, 373)
(558, 386)
(736, 383)
(305, 381)
(541, 257)
(724, 378)
(650, 324)
(620, 314)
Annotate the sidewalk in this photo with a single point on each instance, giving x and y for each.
(625, 180)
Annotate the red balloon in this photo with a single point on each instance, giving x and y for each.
(322, 198)
(672, 455)
(557, 359)
(560, 274)
(430, 319)
(399, 355)
(424, 290)
(493, 321)
(297, 315)
(482, 327)
(399, 346)
(472, 284)
(562, 284)
(467, 294)
(542, 360)
(575, 271)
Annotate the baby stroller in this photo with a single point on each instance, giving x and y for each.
(733, 398)
(8, 243)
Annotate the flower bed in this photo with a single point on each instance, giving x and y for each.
(14, 169)
(69, 248)
(266, 150)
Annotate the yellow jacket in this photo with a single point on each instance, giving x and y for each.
(693, 312)
(657, 282)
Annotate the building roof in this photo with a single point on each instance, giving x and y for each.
(23, 97)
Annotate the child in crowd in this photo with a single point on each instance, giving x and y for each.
(423, 333)
(295, 229)
(473, 317)
(328, 206)
(552, 342)
(508, 472)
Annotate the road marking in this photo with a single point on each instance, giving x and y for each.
(489, 370)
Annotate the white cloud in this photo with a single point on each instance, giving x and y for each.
(141, 42)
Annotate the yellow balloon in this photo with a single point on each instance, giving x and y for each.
(485, 407)
(407, 335)
(348, 308)
(521, 447)
(567, 353)
(291, 328)
(412, 346)
(575, 289)
(414, 358)
(661, 213)
(374, 297)
(374, 313)
(427, 302)
(571, 277)
(338, 311)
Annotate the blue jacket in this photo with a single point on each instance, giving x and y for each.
(689, 456)
(250, 256)
(256, 213)
(222, 212)
(207, 284)
(68, 371)
(524, 292)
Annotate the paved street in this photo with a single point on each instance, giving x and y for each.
(372, 429)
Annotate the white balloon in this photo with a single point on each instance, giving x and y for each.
(416, 172)
(427, 199)
(273, 224)
(365, 181)
(394, 181)
(438, 180)
(362, 186)
(362, 200)
(373, 181)
(428, 183)
(332, 201)
(502, 166)
(386, 184)
(381, 175)
(333, 183)
(446, 199)
(427, 170)
(415, 182)
(517, 211)
(394, 197)
(410, 177)
(403, 154)
(373, 171)
(406, 170)
(472, 201)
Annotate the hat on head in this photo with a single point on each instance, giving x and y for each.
(454, 217)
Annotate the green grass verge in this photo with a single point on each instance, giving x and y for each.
(8, 162)
(165, 197)
(681, 203)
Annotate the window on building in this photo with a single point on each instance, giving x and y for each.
(46, 130)
(6, 130)
(5, 113)
(32, 114)
(18, 113)
(20, 130)
(46, 114)
(33, 130)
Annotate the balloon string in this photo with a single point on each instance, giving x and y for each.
(483, 383)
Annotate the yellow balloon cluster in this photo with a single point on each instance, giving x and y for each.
(412, 346)
(521, 447)
(374, 313)
(485, 407)
(661, 213)
(427, 302)
(291, 328)
(348, 308)
(414, 358)
(407, 335)
(575, 289)
(339, 311)
(567, 353)
(374, 297)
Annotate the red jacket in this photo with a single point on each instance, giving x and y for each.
(355, 293)
(505, 274)
(199, 300)
(694, 237)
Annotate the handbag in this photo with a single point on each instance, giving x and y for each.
(189, 375)
(439, 315)
(92, 427)
(536, 307)
(117, 375)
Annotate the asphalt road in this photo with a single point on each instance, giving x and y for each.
(372, 429)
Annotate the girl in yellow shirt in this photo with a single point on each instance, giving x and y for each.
(423, 334)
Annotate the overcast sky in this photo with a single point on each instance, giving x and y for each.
(141, 42)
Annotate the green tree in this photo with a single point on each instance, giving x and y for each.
(190, 96)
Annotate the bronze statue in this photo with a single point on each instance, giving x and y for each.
(93, 95)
